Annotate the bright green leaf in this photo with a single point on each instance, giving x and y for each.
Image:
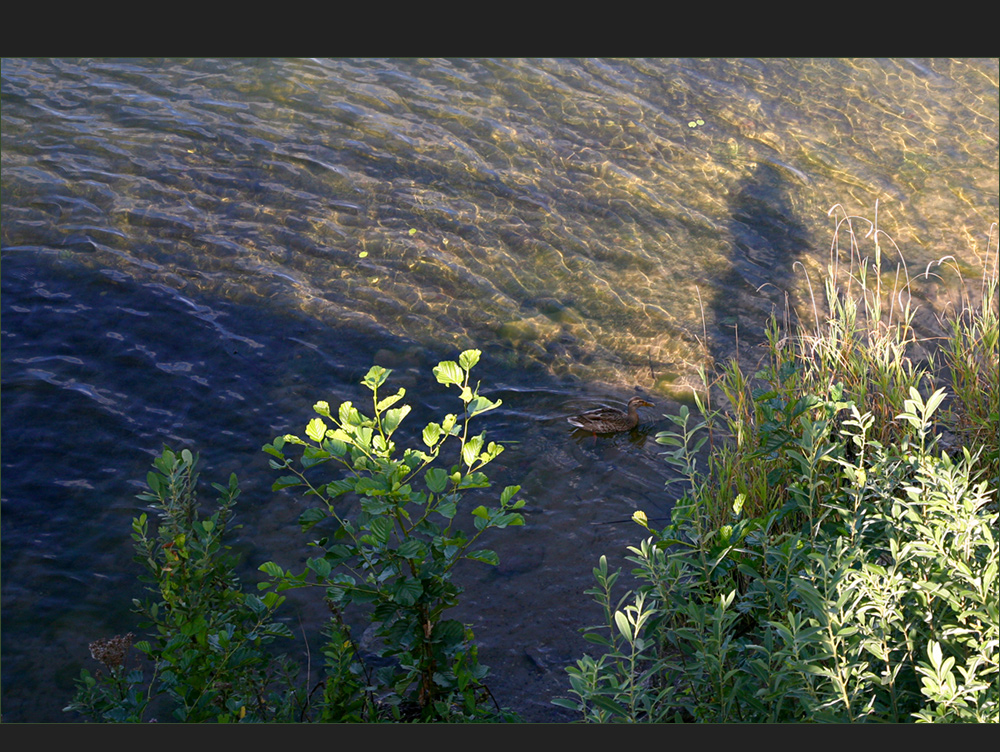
(431, 434)
(387, 402)
(469, 358)
(394, 417)
(508, 494)
(480, 405)
(316, 429)
(447, 372)
(375, 377)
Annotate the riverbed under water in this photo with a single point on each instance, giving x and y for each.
(196, 251)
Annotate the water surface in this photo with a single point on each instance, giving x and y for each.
(195, 251)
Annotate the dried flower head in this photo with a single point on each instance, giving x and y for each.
(112, 652)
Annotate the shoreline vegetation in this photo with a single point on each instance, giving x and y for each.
(831, 556)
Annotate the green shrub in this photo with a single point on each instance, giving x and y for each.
(389, 538)
(209, 647)
(834, 562)
(881, 606)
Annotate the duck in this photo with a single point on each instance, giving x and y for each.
(610, 420)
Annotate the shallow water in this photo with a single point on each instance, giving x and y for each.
(194, 252)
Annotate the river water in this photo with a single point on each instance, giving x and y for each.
(196, 251)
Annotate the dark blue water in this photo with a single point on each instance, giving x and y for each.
(194, 252)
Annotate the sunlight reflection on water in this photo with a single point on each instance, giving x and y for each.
(195, 251)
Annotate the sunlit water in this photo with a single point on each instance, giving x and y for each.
(193, 252)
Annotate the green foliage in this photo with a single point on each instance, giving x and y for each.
(209, 642)
(116, 696)
(391, 540)
(388, 539)
(623, 684)
(871, 595)
(836, 560)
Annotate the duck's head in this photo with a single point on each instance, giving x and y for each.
(639, 402)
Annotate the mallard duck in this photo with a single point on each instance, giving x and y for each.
(609, 420)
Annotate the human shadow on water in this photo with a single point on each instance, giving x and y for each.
(766, 240)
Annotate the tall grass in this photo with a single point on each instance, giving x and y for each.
(857, 343)
(970, 356)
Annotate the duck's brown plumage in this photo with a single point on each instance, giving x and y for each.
(609, 420)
